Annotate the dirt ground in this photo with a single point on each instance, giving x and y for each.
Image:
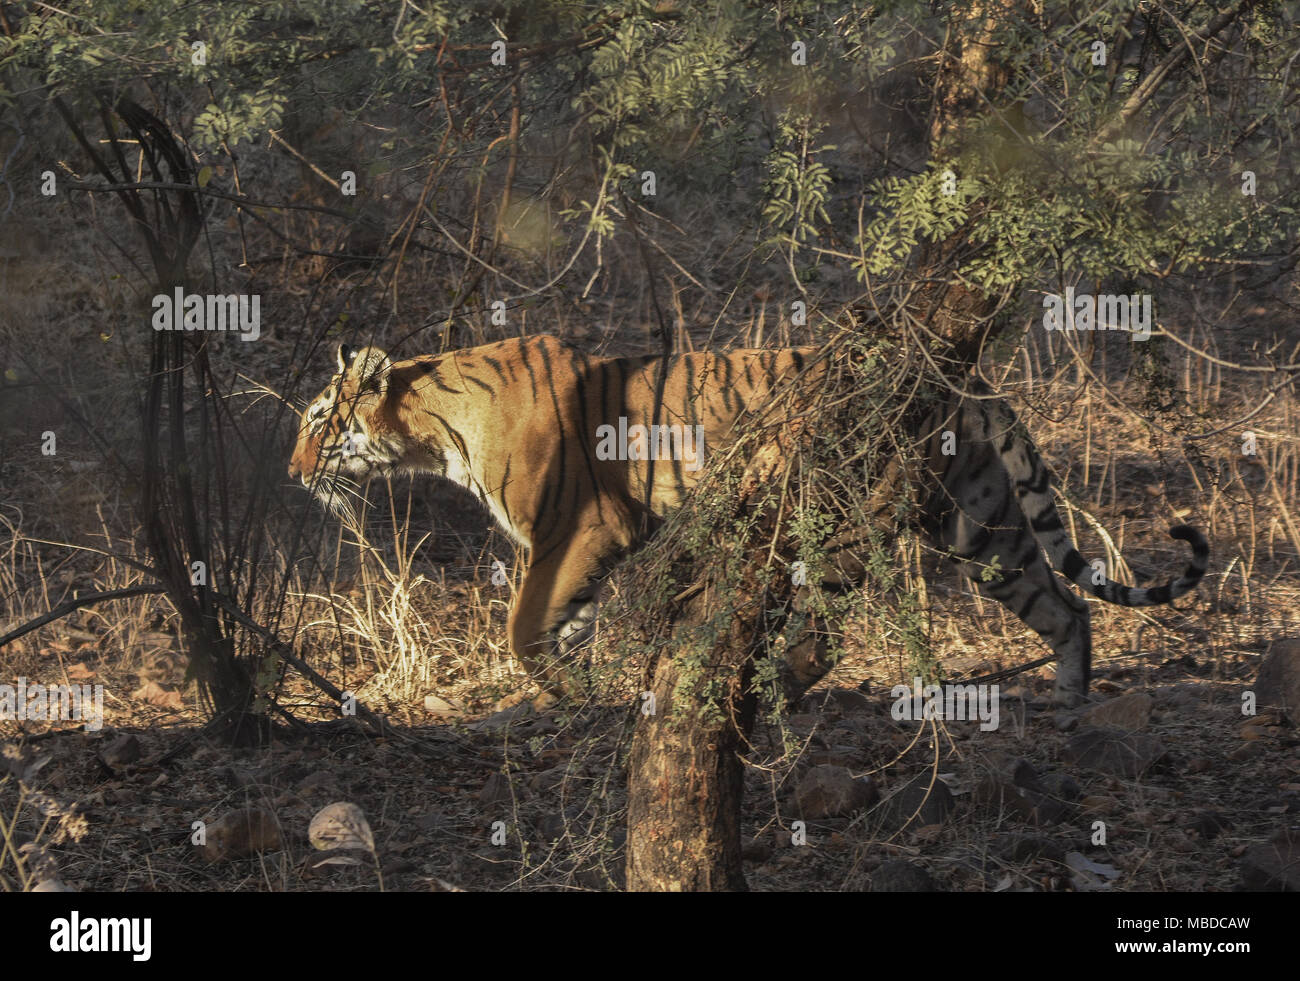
(512, 800)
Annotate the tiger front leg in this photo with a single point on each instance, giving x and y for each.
(809, 658)
(555, 614)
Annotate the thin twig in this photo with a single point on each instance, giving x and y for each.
(63, 609)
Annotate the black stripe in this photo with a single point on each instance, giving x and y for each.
(1036, 484)
(586, 434)
(1031, 553)
(965, 551)
(437, 380)
(1048, 520)
(1028, 607)
(461, 446)
(606, 369)
(523, 357)
(505, 484)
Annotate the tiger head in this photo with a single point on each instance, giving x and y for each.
(348, 434)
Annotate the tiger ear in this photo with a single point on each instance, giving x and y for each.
(346, 353)
(369, 366)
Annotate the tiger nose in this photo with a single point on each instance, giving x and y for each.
(294, 469)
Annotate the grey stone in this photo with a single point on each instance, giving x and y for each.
(898, 875)
(917, 803)
(832, 791)
(1131, 712)
(1062, 786)
(497, 790)
(1272, 866)
(1017, 847)
(1113, 751)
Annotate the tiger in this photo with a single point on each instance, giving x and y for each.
(580, 458)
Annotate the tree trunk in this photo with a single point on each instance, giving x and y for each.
(686, 771)
(684, 799)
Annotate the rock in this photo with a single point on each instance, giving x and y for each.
(1113, 751)
(1065, 720)
(833, 791)
(238, 834)
(1131, 712)
(1208, 824)
(1023, 774)
(321, 778)
(1013, 785)
(1247, 751)
(500, 721)
(898, 875)
(1272, 866)
(121, 751)
(551, 827)
(1062, 786)
(540, 727)
(1099, 804)
(496, 790)
(1278, 683)
(547, 780)
(849, 701)
(1183, 695)
(757, 850)
(396, 866)
(1017, 847)
(999, 795)
(1265, 722)
(838, 754)
(917, 803)
(1012, 769)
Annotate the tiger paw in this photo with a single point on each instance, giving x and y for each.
(545, 702)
